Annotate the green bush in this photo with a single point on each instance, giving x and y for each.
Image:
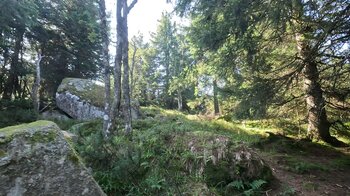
(16, 112)
(156, 161)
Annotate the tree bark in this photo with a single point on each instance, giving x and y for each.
(36, 86)
(12, 78)
(133, 62)
(117, 67)
(179, 100)
(216, 101)
(122, 59)
(6, 58)
(107, 120)
(318, 124)
(126, 84)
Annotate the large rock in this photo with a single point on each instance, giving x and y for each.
(84, 99)
(36, 159)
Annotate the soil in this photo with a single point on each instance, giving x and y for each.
(329, 173)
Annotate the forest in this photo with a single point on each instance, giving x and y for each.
(267, 81)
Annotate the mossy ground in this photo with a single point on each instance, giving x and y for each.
(9, 132)
(156, 161)
(149, 165)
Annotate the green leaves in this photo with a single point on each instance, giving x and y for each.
(250, 188)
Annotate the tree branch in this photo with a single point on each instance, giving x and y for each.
(131, 5)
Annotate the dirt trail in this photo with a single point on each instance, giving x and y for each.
(303, 168)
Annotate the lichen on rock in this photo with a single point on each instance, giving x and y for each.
(84, 99)
(36, 159)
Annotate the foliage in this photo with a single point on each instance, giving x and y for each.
(288, 191)
(66, 33)
(301, 167)
(265, 48)
(16, 112)
(154, 162)
(251, 188)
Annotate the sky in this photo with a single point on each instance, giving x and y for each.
(143, 17)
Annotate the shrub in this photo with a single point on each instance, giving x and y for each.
(16, 112)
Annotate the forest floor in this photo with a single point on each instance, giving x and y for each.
(303, 168)
(299, 166)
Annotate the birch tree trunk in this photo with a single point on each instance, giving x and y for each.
(179, 100)
(36, 85)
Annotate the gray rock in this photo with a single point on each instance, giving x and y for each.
(84, 99)
(54, 114)
(36, 159)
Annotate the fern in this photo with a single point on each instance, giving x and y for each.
(237, 184)
(257, 184)
(254, 187)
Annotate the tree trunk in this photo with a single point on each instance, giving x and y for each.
(125, 57)
(35, 90)
(179, 100)
(12, 78)
(122, 59)
(117, 67)
(6, 58)
(216, 101)
(132, 69)
(318, 124)
(105, 60)
(148, 92)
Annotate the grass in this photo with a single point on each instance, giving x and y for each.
(340, 162)
(157, 118)
(155, 161)
(158, 161)
(301, 166)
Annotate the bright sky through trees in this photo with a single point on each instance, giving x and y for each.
(143, 17)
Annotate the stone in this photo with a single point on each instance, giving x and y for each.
(37, 159)
(83, 99)
(54, 115)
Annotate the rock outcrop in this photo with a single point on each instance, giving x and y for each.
(37, 159)
(83, 99)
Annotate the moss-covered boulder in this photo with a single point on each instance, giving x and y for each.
(37, 159)
(83, 99)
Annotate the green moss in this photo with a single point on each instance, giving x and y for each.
(43, 137)
(86, 89)
(302, 167)
(343, 161)
(310, 186)
(2, 153)
(9, 132)
(72, 156)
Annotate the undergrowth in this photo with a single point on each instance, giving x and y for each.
(16, 112)
(157, 160)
